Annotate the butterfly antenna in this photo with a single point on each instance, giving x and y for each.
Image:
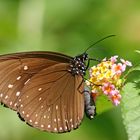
(98, 42)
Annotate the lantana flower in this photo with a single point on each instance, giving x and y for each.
(106, 78)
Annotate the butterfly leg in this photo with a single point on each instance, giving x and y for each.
(83, 80)
(80, 87)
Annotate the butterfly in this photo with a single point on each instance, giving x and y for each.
(46, 89)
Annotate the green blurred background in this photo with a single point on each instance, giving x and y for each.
(69, 26)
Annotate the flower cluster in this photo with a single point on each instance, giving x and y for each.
(105, 78)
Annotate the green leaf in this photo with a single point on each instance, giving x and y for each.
(135, 68)
(133, 75)
(131, 110)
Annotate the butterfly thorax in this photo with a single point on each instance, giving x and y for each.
(78, 65)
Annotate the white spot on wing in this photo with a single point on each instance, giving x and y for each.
(36, 122)
(39, 89)
(40, 99)
(18, 93)
(1, 95)
(49, 126)
(42, 125)
(78, 118)
(55, 129)
(30, 120)
(6, 97)
(18, 78)
(15, 104)
(44, 116)
(11, 103)
(10, 86)
(56, 107)
(25, 68)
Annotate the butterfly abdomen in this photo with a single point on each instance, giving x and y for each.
(90, 108)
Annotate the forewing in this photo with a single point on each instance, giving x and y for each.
(51, 100)
(17, 69)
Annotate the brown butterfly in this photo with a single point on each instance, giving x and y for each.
(46, 89)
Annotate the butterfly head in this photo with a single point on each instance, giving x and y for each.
(78, 66)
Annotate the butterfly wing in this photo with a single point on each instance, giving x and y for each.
(17, 69)
(51, 100)
(39, 86)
